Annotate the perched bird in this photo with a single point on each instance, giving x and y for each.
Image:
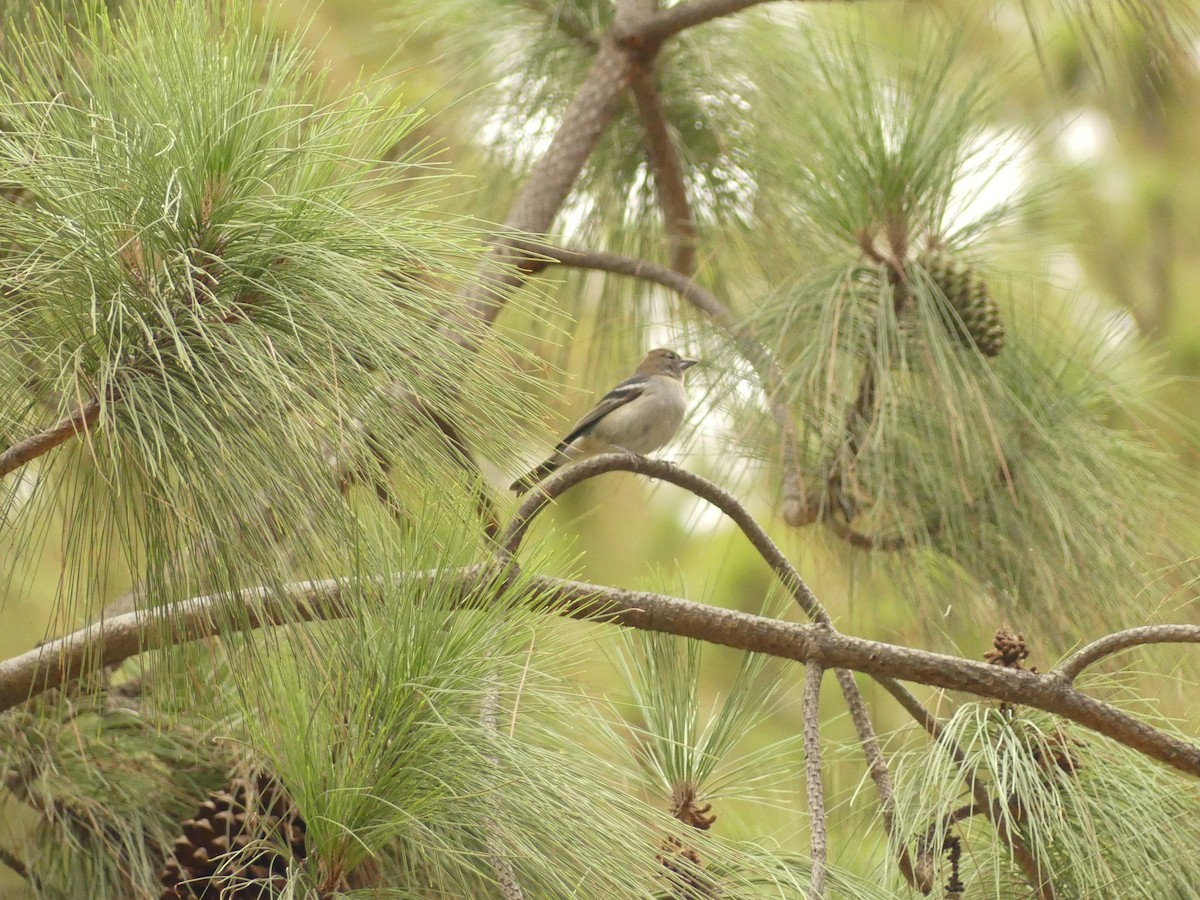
(639, 415)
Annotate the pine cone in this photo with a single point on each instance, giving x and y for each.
(978, 315)
(238, 846)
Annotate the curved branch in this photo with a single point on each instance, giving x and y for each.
(669, 22)
(795, 503)
(886, 543)
(1071, 668)
(566, 478)
(814, 789)
(60, 432)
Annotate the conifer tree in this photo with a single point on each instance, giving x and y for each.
(271, 340)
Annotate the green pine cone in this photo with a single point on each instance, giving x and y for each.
(978, 315)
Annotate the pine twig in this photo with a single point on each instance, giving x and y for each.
(814, 789)
(506, 878)
(1035, 873)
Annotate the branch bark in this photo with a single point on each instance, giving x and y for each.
(120, 638)
(60, 432)
(678, 219)
(533, 211)
(814, 789)
(506, 877)
(1071, 668)
(669, 22)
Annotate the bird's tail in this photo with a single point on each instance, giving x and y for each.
(533, 476)
(563, 454)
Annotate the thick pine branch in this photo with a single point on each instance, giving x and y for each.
(121, 638)
(118, 639)
(587, 117)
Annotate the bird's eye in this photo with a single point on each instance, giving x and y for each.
(672, 356)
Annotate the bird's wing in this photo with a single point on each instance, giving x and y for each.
(625, 392)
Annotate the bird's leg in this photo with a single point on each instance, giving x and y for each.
(617, 448)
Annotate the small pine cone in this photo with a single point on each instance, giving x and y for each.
(953, 850)
(688, 809)
(978, 320)
(238, 845)
(1010, 650)
(685, 874)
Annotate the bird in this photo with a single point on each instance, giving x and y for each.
(639, 415)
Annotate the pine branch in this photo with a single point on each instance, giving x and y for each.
(669, 22)
(563, 480)
(506, 878)
(536, 206)
(814, 789)
(14, 862)
(634, 39)
(876, 765)
(44, 441)
(678, 220)
(118, 639)
(1071, 668)
(887, 543)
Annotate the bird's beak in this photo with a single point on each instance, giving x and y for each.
(686, 364)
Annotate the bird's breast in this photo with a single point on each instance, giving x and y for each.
(647, 423)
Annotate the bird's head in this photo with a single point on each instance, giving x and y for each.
(665, 362)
